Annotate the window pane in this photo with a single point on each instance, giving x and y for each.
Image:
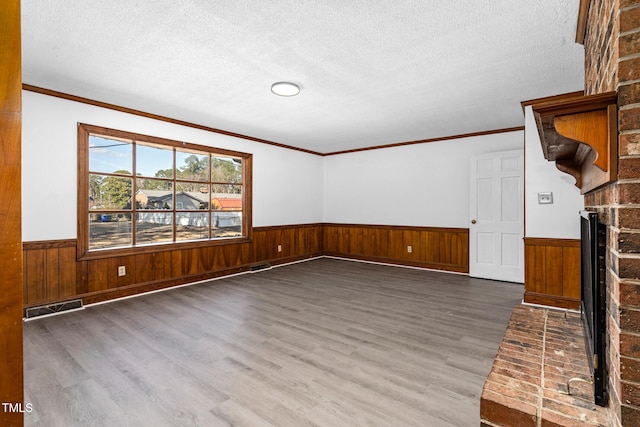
(226, 191)
(154, 161)
(109, 192)
(226, 169)
(192, 166)
(107, 230)
(192, 196)
(110, 155)
(154, 194)
(226, 202)
(192, 225)
(226, 224)
(154, 227)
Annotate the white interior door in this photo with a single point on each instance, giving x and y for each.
(496, 229)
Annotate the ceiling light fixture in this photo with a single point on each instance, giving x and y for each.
(285, 89)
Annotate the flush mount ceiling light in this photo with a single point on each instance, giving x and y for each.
(285, 89)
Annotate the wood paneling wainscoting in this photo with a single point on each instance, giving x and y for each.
(431, 247)
(552, 272)
(53, 274)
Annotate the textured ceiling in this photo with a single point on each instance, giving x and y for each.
(372, 72)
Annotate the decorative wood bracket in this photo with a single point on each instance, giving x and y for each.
(580, 134)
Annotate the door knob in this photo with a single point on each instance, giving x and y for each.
(473, 221)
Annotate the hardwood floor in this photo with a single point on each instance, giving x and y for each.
(322, 343)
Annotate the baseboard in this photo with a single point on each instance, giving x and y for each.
(401, 262)
(551, 300)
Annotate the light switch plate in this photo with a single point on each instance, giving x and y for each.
(545, 198)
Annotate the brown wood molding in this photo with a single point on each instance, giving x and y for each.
(158, 117)
(569, 104)
(581, 26)
(551, 99)
(424, 141)
(288, 226)
(49, 244)
(579, 134)
(552, 301)
(82, 100)
(547, 241)
(398, 227)
(454, 268)
(11, 294)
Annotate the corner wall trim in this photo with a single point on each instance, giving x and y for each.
(88, 101)
(425, 141)
(158, 117)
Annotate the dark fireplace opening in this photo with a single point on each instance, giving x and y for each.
(593, 300)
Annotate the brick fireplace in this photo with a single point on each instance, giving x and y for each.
(612, 63)
(610, 33)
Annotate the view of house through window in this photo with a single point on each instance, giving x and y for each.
(157, 192)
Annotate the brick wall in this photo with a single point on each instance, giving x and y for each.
(601, 47)
(612, 62)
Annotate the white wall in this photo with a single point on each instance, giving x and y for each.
(560, 219)
(287, 184)
(416, 185)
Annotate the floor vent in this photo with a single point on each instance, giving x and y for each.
(53, 308)
(258, 267)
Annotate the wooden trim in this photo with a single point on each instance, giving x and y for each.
(425, 141)
(135, 112)
(265, 228)
(581, 26)
(11, 294)
(83, 253)
(398, 227)
(551, 99)
(49, 244)
(569, 104)
(82, 100)
(551, 301)
(83, 192)
(455, 268)
(165, 247)
(548, 241)
(580, 135)
(139, 137)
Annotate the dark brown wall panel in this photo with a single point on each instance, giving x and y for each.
(432, 247)
(552, 272)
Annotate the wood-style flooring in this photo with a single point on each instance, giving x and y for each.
(326, 342)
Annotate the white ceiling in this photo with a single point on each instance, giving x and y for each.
(372, 72)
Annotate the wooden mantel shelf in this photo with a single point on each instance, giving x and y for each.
(579, 133)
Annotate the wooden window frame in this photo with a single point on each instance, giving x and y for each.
(84, 253)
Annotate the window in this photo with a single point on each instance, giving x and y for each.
(137, 191)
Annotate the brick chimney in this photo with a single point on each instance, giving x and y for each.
(612, 63)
